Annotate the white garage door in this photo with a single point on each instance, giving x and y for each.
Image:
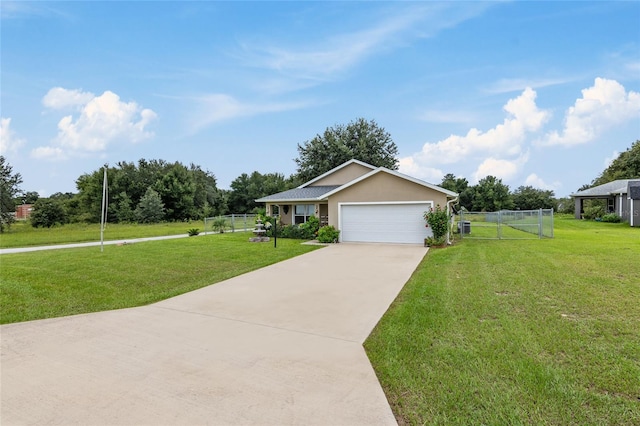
(384, 223)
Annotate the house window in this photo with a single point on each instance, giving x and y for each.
(303, 212)
(611, 206)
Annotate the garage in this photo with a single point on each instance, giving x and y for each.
(400, 222)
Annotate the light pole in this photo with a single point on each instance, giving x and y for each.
(105, 206)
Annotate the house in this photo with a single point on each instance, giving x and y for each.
(366, 203)
(622, 196)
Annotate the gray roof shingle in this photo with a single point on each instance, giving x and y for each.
(300, 194)
(616, 187)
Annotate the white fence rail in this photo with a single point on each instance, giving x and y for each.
(230, 223)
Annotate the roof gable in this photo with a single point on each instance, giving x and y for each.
(394, 173)
(310, 192)
(337, 170)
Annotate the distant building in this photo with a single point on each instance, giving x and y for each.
(622, 195)
(23, 211)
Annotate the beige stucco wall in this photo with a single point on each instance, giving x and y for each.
(284, 218)
(383, 187)
(344, 175)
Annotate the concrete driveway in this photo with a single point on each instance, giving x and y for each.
(281, 345)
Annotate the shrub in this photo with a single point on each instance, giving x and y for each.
(291, 231)
(193, 232)
(219, 224)
(434, 242)
(593, 212)
(310, 228)
(328, 234)
(611, 218)
(47, 213)
(438, 220)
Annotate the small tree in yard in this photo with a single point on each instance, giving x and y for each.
(438, 220)
(150, 209)
(9, 188)
(47, 213)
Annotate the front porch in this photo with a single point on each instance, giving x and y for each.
(299, 213)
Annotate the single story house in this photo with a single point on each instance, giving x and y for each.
(622, 195)
(366, 203)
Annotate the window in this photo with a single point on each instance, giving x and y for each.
(611, 205)
(303, 212)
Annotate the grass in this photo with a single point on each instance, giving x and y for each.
(537, 332)
(22, 234)
(55, 283)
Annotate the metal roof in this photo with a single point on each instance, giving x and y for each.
(616, 187)
(300, 194)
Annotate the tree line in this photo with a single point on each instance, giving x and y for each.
(157, 190)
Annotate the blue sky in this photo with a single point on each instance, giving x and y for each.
(535, 93)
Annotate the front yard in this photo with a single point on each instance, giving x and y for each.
(55, 283)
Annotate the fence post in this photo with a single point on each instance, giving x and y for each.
(540, 223)
(551, 213)
(499, 224)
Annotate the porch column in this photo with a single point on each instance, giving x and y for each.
(578, 208)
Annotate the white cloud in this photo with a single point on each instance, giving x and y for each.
(507, 85)
(601, 107)
(442, 116)
(60, 98)
(218, 107)
(429, 174)
(503, 140)
(9, 142)
(332, 55)
(537, 182)
(99, 121)
(609, 160)
(52, 153)
(501, 168)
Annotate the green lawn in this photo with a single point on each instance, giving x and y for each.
(54, 283)
(22, 234)
(534, 332)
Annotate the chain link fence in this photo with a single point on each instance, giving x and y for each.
(505, 224)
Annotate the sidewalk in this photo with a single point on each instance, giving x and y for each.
(88, 244)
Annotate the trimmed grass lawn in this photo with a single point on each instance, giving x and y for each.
(55, 283)
(540, 332)
(22, 234)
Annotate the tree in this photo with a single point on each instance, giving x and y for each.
(625, 166)
(187, 192)
(177, 191)
(245, 189)
(123, 210)
(30, 197)
(48, 212)
(461, 186)
(530, 198)
(150, 209)
(491, 195)
(360, 139)
(9, 188)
